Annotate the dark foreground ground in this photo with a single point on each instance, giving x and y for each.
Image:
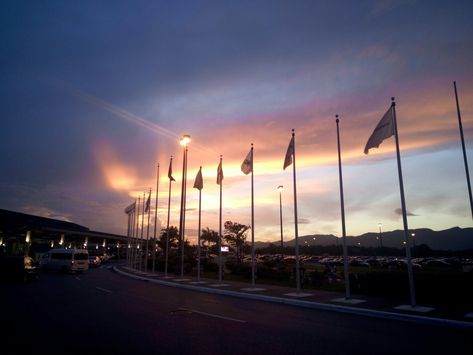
(101, 312)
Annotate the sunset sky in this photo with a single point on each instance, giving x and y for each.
(94, 94)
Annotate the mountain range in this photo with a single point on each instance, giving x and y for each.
(450, 239)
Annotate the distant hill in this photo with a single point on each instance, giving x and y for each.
(450, 239)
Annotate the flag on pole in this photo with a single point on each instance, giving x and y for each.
(247, 165)
(199, 182)
(130, 208)
(170, 171)
(289, 154)
(383, 130)
(148, 201)
(219, 173)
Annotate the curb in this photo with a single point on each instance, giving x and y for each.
(312, 305)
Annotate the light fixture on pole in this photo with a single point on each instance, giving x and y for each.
(183, 141)
(380, 235)
(280, 188)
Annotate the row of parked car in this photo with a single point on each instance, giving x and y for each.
(363, 261)
(25, 268)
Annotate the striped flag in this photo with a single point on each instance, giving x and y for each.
(148, 201)
(289, 154)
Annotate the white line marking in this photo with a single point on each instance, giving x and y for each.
(77, 278)
(214, 315)
(103, 289)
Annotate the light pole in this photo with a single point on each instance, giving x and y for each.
(280, 188)
(380, 235)
(184, 140)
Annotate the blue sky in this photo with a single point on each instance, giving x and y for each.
(95, 93)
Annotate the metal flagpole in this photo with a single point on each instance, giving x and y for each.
(198, 234)
(147, 233)
(220, 231)
(296, 227)
(132, 236)
(167, 228)
(280, 187)
(137, 232)
(184, 211)
(342, 207)
(142, 228)
(252, 223)
(460, 126)
(127, 235)
(404, 211)
(155, 221)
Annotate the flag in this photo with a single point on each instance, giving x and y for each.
(130, 208)
(170, 171)
(247, 165)
(289, 154)
(383, 130)
(199, 182)
(148, 201)
(219, 173)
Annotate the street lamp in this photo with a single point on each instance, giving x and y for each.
(413, 239)
(280, 188)
(183, 141)
(380, 235)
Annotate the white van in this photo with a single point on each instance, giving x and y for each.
(66, 260)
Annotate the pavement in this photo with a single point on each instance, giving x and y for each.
(448, 316)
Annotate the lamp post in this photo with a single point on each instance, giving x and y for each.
(280, 188)
(380, 235)
(183, 141)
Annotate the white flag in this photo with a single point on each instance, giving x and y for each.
(247, 165)
(199, 182)
(383, 130)
(289, 154)
(130, 208)
(219, 173)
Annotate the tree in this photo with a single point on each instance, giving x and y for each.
(235, 235)
(209, 236)
(173, 238)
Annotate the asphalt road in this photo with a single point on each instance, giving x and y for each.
(101, 312)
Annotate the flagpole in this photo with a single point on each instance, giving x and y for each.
(137, 231)
(404, 211)
(198, 234)
(220, 231)
(155, 221)
(252, 223)
(460, 126)
(296, 227)
(147, 232)
(127, 236)
(182, 224)
(342, 207)
(132, 236)
(142, 228)
(167, 228)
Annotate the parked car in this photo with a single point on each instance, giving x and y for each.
(20, 268)
(66, 260)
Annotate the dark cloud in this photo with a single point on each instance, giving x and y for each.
(398, 211)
